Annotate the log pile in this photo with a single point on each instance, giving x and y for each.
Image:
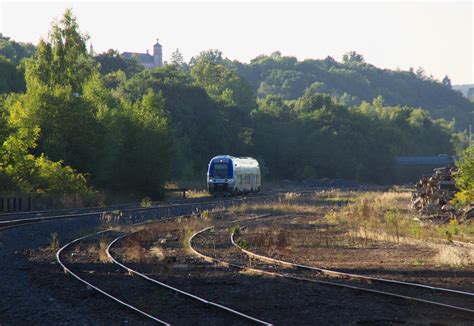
(434, 192)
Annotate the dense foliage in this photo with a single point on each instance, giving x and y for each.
(105, 122)
(68, 128)
(15, 51)
(12, 54)
(465, 177)
(353, 81)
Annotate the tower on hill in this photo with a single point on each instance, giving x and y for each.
(158, 54)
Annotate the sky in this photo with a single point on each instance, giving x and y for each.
(437, 36)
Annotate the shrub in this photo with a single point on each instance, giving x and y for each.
(242, 243)
(235, 230)
(146, 202)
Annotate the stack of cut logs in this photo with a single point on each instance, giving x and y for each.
(433, 192)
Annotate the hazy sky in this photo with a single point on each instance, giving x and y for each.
(435, 35)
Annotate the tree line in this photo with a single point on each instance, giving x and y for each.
(90, 125)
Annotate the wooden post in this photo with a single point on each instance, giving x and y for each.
(20, 204)
(184, 193)
(29, 204)
(2, 205)
(8, 204)
(14, 204)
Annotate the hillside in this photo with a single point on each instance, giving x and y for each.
(350, 81)
(353, 81)
(463, 88)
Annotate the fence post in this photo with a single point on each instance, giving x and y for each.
(14, 204)
(2, 205)
(29, 204)
(8, 204)
(20, 204)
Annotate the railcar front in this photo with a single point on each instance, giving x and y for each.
(220, 175)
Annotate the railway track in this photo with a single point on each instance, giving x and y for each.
(200, 310)
(455, 301)
(228, 310)
(31, 288)
(168, 209)
(76, 274)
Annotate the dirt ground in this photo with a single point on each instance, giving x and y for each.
(309, 240)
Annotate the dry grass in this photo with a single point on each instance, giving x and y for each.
(275, 238)
(295, 203)
(156, 252)
(91, 249)
(455, 256)
(275, 208)
(103, 243)
(144, 243)
(110, 219)
(446, 253)
(132, 249)
(195, 193)
(336, 195)
(390, 212)
(387, 216)
(251, 272)
(54, 242)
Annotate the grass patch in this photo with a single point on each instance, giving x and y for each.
(194, 193)
(146, 202)
(242, 243)
(296, 203)
(278, 208)
(54, 242)
(103, 243)
(251, 272)
(387, 216)
(235, 230)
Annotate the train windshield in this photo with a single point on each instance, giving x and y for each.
(221, 170)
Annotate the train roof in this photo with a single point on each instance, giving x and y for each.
(236, 160)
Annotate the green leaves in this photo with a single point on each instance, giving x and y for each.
(62, 60)
(465, 177)
(222, 83)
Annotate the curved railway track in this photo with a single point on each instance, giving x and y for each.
(30, 285)
(181, 292)
(236, 316)
(96, 288)
(270, 266)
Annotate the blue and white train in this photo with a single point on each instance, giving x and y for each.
(233, 175)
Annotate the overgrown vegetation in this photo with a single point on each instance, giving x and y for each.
(363, 221)
(389, 213)
(465, 178)
(295, 204)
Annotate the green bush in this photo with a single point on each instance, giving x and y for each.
(242, 243)
(465, 178)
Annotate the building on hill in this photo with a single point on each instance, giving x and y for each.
(146, 59)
